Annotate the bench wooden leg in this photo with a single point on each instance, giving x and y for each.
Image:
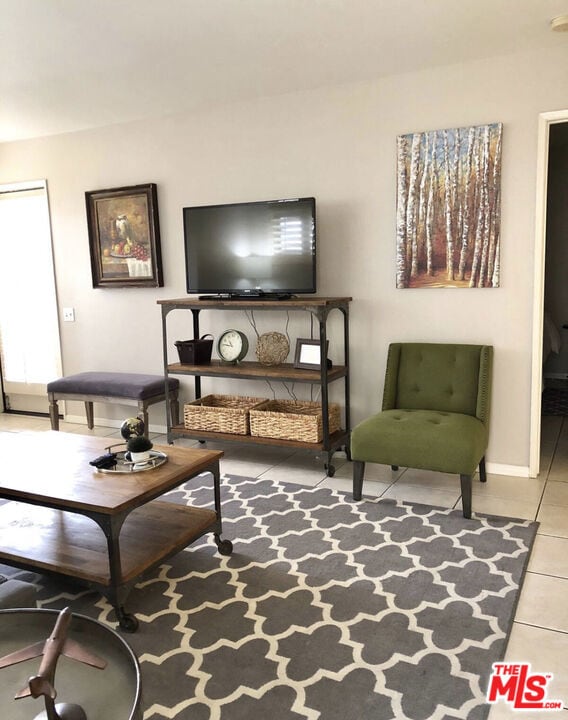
(53, 413)
(90, 415)
(174, 407)
(143, 408)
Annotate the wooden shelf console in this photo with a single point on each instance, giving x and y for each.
(320, 307)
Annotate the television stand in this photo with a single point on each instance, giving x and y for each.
(321, 375)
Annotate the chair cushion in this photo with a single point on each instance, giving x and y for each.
(128, 385)
(426, 439)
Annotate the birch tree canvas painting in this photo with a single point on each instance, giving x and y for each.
(448, 208)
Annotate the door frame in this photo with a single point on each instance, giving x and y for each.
(545, 120)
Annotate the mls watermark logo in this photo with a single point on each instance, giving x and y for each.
(517, 685)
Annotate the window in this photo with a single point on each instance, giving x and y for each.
(29, 329)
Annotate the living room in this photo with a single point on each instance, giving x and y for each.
(331, 136)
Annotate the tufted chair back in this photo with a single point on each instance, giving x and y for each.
(436, 376)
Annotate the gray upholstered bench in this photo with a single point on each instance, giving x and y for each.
(112, 387)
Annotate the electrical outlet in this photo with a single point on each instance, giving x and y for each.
(69, 314)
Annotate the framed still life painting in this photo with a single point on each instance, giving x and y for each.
(124, 237)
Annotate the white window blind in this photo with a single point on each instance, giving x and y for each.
(29, 330)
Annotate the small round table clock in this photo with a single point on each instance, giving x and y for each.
(232, 346)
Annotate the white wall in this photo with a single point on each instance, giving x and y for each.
(337, 144)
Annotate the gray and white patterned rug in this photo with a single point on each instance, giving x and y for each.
(327, 609)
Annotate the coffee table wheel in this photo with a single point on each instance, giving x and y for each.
(225, 547)
(128, 623)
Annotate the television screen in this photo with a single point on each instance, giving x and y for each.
(251, 249)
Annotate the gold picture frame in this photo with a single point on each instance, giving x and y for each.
(124, 237)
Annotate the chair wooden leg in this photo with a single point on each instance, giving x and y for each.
(482, 473)
(466, 495)
(358, 475)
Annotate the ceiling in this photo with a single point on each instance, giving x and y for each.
(67, 65)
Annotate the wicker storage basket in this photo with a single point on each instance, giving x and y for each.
(293, 420)
(220, 413)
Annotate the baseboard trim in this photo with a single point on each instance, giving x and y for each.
(110, 423)
(513, 470)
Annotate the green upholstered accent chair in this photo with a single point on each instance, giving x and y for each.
(435, 414)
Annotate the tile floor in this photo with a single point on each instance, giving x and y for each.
(540, 631)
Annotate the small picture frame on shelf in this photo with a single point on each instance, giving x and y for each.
(308, 354)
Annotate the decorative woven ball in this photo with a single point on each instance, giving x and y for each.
(131, 427)
(272, 348)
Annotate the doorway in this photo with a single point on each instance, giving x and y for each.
(546, 122)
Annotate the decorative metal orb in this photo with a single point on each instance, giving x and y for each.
(132, 426)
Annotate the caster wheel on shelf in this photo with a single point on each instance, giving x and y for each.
(128, 623)
(225, 547)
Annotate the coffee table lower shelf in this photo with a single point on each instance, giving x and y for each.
(73, 545)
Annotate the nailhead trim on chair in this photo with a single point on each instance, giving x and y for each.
(389, 393)
(484, 391)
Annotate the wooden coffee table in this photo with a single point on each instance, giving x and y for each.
(59, 504)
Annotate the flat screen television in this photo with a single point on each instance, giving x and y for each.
(252, 249)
